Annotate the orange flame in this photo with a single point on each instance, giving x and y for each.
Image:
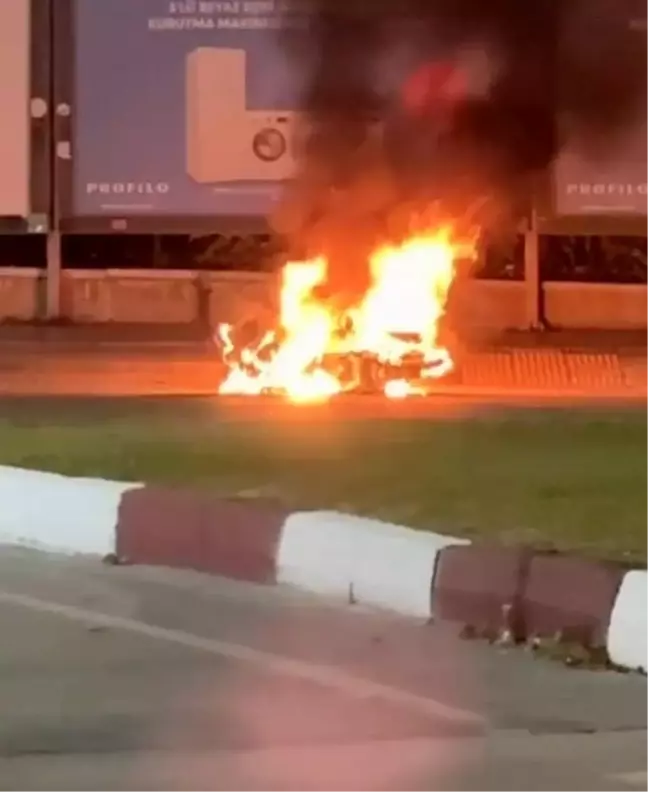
(396, 321)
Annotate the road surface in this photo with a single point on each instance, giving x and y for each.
(117, 678)
(128, 679)
(114, 359)
(136, 370)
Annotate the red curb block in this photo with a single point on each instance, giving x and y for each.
(480, 586)
(530, 594)
(572, 596)
(233, 538)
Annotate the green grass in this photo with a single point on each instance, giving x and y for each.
(573, 480)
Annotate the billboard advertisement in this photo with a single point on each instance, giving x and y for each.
(613, 185)
(189, 108)
(181, 107)
(15, 99)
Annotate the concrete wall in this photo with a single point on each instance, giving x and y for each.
(21, 291)
(114, 296)
(176, 297)
(236, 296)
(173, 297)
(484, 307)
(595, 306)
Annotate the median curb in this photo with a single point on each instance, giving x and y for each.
(496, 591)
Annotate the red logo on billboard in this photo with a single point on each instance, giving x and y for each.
(431, 86)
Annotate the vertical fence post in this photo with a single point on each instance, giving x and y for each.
(53, 276)
(61, 42)
(532, 273)
(53, 264)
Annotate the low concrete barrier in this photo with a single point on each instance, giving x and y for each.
(241, 296)
(598, 306)
(170, 297)
(481, 307)
(177, 297)
(185, 297)
(20, 293)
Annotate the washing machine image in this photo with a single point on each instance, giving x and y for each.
(227, 142)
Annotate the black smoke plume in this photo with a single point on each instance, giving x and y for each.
(524, 76)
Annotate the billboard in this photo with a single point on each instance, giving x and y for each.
(181, 107)
(15, 101)
(613, 185)
(188, 108)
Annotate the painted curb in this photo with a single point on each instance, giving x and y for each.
(627, 638)
(356, 559)
(570, 596)
(361, 560)
(235, 538)
(482, 586)
(60, 513)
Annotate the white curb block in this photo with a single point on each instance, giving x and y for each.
(365, 561)
(627, 640)
(67, 515)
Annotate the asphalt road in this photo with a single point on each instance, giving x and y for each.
(128, 679)
(152, 679)
(167, 370)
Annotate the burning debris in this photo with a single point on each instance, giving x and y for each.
(388, 341)
(398, 177)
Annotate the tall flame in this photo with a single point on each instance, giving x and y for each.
(395, 322)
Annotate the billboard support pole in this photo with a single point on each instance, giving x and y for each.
(53, 277)
(532, 273)
(54, 264)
